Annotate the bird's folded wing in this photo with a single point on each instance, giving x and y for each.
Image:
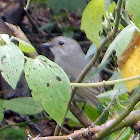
(89, 94)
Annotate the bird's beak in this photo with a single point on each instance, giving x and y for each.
(46, 45)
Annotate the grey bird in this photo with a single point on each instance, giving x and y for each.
(69, 55)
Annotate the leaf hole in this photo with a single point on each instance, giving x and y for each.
(48, 84)
(58, 78)
(44, 61)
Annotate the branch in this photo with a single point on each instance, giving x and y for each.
(130, 120)
(104, 83)
(102, 114)
(23, 123)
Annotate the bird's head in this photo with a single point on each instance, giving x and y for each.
(63, 46)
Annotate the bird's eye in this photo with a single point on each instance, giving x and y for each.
(61, 43)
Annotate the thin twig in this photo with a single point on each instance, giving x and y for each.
(27, 5)
(128, 121)
(104, 83)
(103, 113)
(22, 123)
(57, 130)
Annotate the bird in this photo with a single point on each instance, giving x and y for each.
(70, 57)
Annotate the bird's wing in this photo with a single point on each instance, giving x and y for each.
(89, 94)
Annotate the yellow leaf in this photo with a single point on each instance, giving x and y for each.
(129, 61)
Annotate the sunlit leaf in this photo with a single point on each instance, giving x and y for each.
(72, 120)
(119, 93)
(11, 63)
(50, 86)
(24, 46)
(122, 136)
(92, 20)
(107, 2)
(133, 9)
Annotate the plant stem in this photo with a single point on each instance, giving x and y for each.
(22, 123)
(103, 83)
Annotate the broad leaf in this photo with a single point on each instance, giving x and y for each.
(72, 120)
(127, 47)
(50, 85)
(91, 51)
(24, 46)
(13, 134)
(11, 63)
(107, 2)
(23, 105)
(121, 42)
(118, 92)
(126, 135)
(133, 9)
(92, 20)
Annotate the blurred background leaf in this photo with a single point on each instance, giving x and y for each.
(71, 5)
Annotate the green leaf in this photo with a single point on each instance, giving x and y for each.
(1, 110)
(133, 9)
(87, 109)
(72, 5)
(111, 7)
(72, 120)
(4, 39)
(13, 134)
(11, 63)
(119, 92)
(24, 46)
(135, 91)
(107, 96)
(50, 85)
(90, 112)
(91, 51)
(124, 136)
(96, 71)
(107, 2)
(100, 109)
(121, 86)
(23, 105)
(92, 20)
(121, 42)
